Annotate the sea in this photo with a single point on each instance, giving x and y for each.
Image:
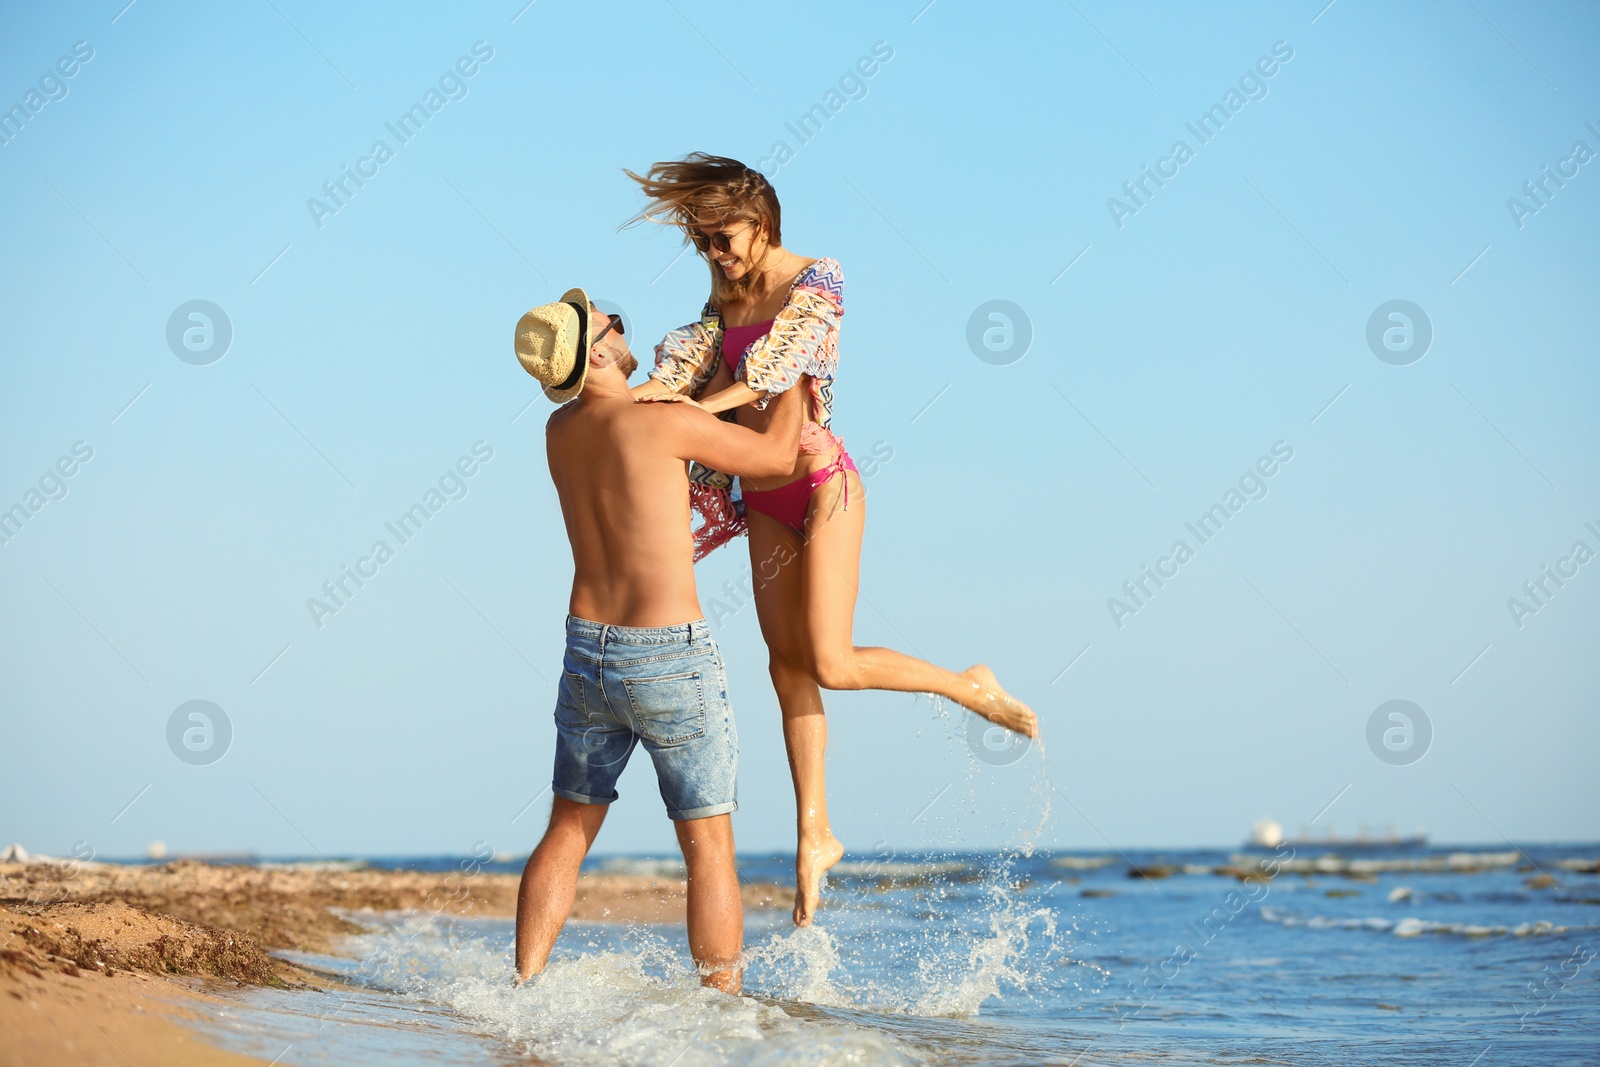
(1462, 957)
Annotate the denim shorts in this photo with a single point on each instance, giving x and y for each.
(662, 686)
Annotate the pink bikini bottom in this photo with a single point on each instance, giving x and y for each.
(787, 503)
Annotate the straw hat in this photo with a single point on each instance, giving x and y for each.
(553, 344)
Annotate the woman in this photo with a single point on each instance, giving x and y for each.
(771, 324)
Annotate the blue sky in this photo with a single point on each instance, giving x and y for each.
(1172, 347)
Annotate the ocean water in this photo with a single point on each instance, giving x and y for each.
(1471, 957)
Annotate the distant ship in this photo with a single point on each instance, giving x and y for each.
(1268, 834)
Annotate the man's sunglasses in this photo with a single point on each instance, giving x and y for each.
(614, 323)
(722, 242)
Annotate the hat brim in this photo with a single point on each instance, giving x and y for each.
(580, 302)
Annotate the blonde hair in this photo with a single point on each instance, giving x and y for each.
(701, 191)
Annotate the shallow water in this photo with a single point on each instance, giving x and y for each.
(1004, 959)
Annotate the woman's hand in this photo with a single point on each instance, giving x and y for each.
(648, 387)
(667, 398)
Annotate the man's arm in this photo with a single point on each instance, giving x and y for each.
(733, 449)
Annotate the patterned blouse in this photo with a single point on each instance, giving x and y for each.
(803, 341)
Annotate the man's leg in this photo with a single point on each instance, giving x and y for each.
(716, 909)
(550, 880)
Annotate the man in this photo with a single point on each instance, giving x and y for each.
(640, 666)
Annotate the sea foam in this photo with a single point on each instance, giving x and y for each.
(629, 995)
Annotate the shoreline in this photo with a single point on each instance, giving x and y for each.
(100, 962)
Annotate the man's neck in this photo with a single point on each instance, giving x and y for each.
(605, 386)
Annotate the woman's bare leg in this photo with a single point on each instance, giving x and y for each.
(775, 552)
(805, 593)
(830, 572)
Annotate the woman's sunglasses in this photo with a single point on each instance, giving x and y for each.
(722, 242)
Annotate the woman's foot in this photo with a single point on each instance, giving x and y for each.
(812, 859)
(980, 693)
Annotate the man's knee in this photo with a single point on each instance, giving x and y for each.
(705, 839)
(571, 817)
(563, 810)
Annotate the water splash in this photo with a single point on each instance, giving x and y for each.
(638, 1004)
(938, 953)
(1040, 787)
(950, 942)
(1030, 839)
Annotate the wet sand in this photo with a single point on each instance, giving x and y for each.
(99, 961)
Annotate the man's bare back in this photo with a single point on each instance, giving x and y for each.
(621, 471)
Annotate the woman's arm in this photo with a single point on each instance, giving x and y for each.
(719, 385)
(684, 359)
(736, 395)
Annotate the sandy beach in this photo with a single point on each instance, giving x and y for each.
(99, 963)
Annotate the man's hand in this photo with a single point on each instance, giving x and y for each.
(668, 398)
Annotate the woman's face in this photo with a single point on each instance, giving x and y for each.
(744, 246)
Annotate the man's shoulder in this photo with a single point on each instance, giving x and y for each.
(562, 413)
(623, 422)
(582, 424)
(656, 421)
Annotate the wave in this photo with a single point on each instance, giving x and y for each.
(314, 865)
(629, 995)
(927, 969)
(645, 867)
(892, 869)
(645, 1007)
(1452, 863)
(1411, 926)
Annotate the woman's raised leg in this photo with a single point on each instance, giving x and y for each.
(775, 561)
(830, 571)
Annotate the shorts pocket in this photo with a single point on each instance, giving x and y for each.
(571, 709)
(670, 709)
